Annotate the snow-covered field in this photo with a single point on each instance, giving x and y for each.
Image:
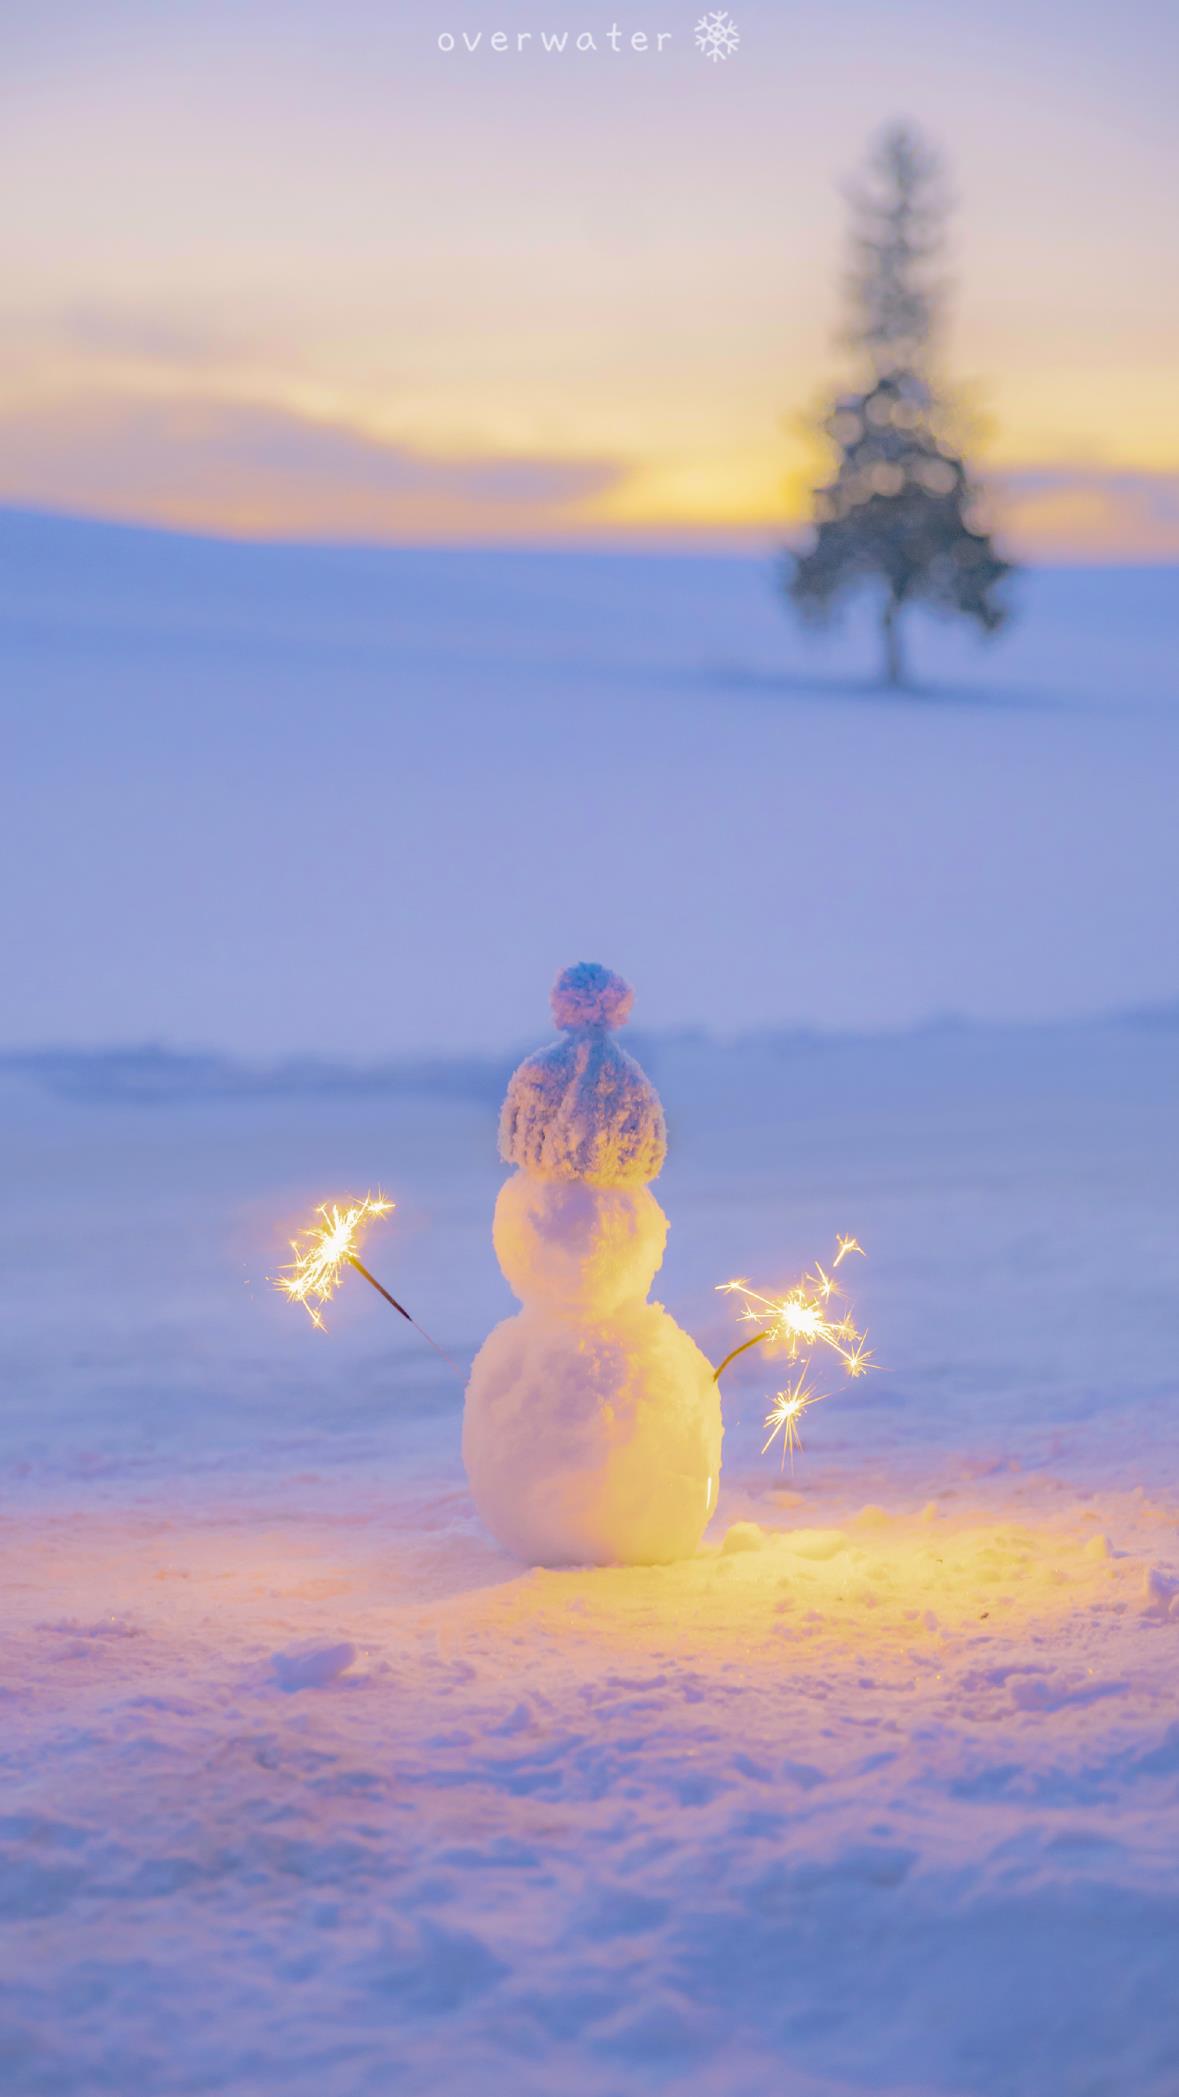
(285, 798)
(306, 1787)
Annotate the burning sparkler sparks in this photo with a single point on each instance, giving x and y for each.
(786, 1410)
(322, 1251)
(325, 1249)
(800, 1322)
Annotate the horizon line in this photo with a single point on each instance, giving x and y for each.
(688, 541)
(1162, 1015)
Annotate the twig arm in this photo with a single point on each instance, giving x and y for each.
(758, 1337)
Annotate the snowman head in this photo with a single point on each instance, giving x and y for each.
(582, 1109)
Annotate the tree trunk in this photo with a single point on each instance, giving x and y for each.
(890, 626)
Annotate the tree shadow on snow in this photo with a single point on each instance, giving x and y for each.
(918, 693)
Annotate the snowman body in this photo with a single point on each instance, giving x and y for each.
(592, 1429)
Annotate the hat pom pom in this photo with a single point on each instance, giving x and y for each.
(588, 995)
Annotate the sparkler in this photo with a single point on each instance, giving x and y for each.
(786, 1410)
(800, 1322)
(324, 1249)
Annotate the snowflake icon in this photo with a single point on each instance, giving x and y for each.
(717, 34)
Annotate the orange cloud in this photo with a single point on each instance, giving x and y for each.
(261, 470)
(254, 468)
(1078, 512)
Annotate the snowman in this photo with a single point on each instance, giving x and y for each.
(592, 1429)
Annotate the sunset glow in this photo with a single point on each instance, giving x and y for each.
(425, 306)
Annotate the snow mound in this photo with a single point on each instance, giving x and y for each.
(311, 1666)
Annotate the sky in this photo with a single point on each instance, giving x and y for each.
(304, 270)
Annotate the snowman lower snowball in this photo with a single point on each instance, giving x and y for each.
(592, 1428)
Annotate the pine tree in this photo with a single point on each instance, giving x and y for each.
(900, 511)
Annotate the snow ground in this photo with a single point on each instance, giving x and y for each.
(308, 1788)
(324, 799)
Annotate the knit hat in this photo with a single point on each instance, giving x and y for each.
(582, 1109)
